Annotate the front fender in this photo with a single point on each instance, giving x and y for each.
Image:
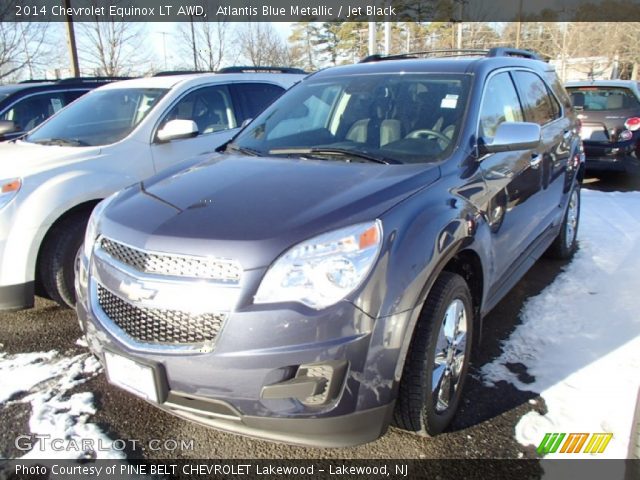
(40, 206)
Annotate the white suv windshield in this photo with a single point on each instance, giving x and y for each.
(408, 118)
(100, 118)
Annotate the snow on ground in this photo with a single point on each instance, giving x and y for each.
(43, 380)
(580, 337)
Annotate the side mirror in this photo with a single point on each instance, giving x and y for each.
(8, 126)
(246, 122)
(513, 136)
(175, 129)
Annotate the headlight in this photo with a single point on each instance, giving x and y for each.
(323, 270)
(91, 234)
(8, 190)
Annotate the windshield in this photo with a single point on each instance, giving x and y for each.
(101, 117)
(602, 98)
(388, 118)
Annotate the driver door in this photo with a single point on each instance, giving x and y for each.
(212, 109)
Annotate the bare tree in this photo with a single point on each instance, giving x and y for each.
(261, 45)
(112, 48)
(208, 43)
(22, 45)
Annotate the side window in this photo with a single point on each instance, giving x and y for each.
(253, 98)
(538, 104)
(73, 95)
(500, 104)
(209, 107)
(31, 111)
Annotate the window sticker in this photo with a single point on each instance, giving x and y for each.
(56, 103)
(450, 101)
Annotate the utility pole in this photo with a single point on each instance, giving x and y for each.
(387, 38)
(71, 41)
(193, 44)
(519, 25)
(164, 47)
(372, 38)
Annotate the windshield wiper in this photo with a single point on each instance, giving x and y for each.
(244, 150)
(72, 142)
(333, 151)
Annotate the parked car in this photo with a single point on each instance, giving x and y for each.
(118, 134)
(25, 105)
(610, 114)
(328, 272)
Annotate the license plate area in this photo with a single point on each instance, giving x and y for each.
(142, 379)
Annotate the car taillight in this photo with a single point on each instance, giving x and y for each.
(632, 124)
(625, 135)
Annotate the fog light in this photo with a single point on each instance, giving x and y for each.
(314, 383)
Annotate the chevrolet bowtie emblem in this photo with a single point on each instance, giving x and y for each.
(134, 292)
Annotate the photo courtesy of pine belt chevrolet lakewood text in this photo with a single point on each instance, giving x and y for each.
(325, 274)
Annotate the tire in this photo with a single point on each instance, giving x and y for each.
(420, 408)
(566, 244)
(57, 258)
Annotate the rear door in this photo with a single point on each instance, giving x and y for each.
(252, 98)
(542, 107)
(512, 182)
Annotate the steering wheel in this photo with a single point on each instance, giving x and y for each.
(425, 132)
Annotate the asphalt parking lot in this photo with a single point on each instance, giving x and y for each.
(484, 427)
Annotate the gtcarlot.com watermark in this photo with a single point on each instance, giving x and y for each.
(45, 443)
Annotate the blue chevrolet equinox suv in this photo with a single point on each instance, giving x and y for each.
(326, 273)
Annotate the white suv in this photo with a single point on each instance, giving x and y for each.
(117, 135)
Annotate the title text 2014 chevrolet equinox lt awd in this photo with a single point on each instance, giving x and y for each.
(327, 273)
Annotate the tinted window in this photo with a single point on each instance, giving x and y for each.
(602, 98)
(500, 104)
(210, 107)
(538, 105)
(31, 111)
(396, 118)
(99, 118)
(254, 98)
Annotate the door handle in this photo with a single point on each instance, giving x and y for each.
(536, 160)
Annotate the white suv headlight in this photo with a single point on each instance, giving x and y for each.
(8, 190)
(91, 234)
(323, 270)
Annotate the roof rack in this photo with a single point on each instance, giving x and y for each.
(271, 69)
(90, 79)
(455, 52)
(38, 80)
(168, 73)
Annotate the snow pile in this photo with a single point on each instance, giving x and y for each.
(580, 337)
(43, 380)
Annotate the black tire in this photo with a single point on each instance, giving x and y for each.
(418, 409)
(57, 258)
(566, 243)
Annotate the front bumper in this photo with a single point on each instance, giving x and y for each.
(260, 347)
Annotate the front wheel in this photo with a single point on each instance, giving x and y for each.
(566, 243)
(57, 258)
(438, 359)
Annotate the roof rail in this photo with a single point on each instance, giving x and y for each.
(168, 73)
(450, 52)
(38, 80)
(271, 69)
(455, 52)
(512, 52)
(90, 79)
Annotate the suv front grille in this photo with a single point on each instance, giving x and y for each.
(159, 326)
(218, 269)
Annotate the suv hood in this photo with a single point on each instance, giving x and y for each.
(254, 208)
(18, 158)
